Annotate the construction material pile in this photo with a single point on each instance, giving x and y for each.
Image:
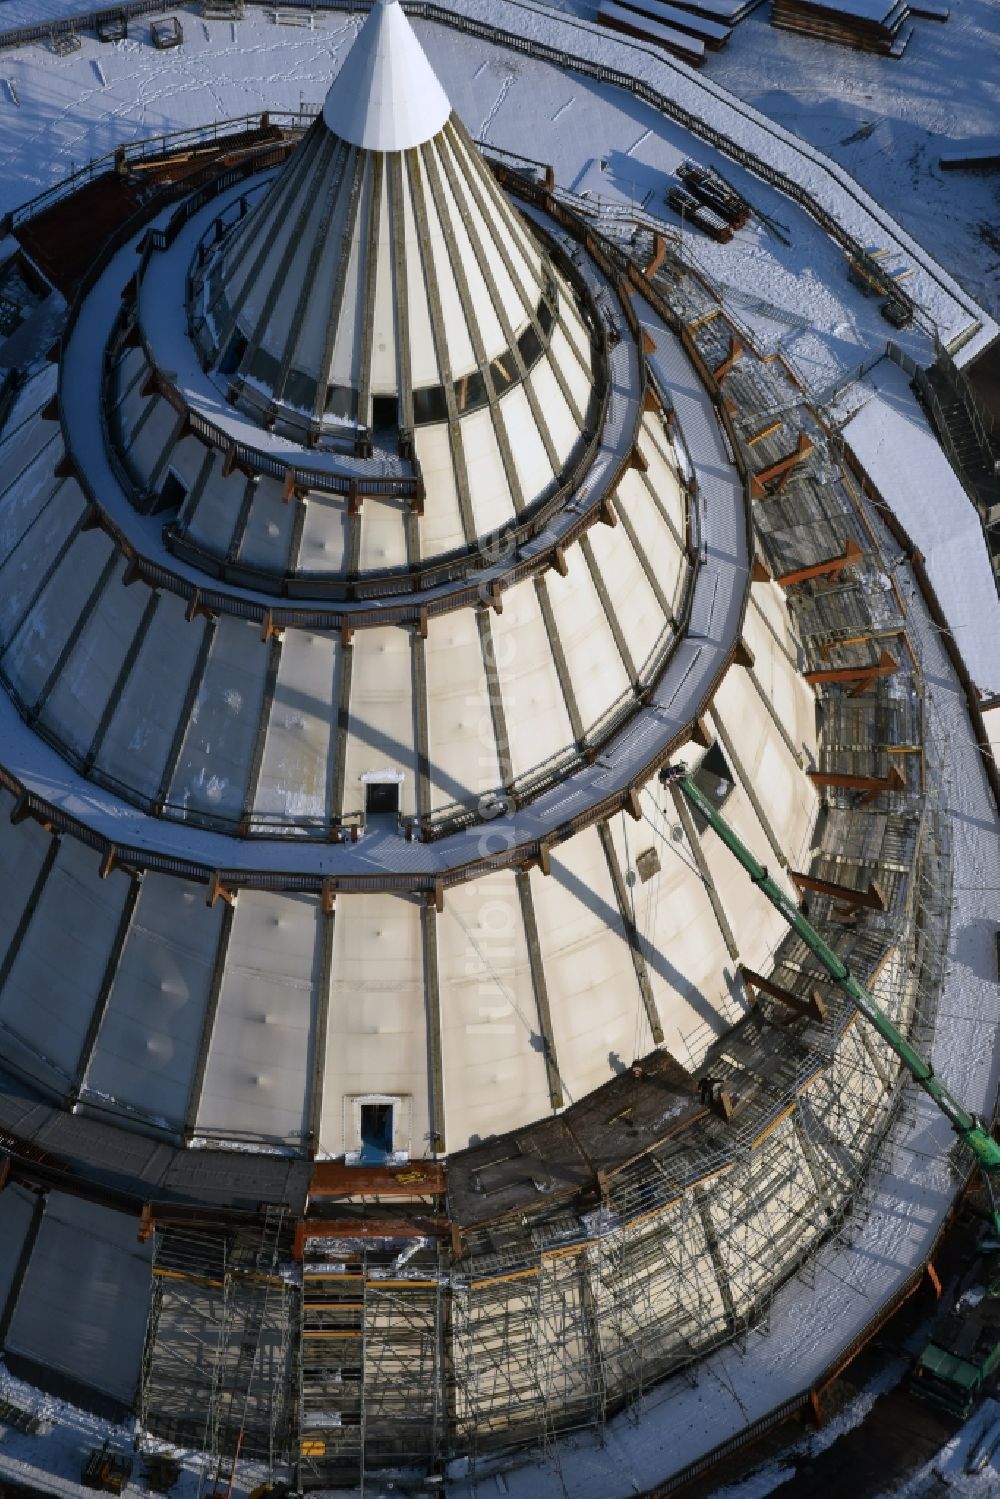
(879, 26)
(684, 27)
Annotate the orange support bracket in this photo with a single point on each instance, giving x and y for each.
(871, 899)
(722, 370)
(813, 1007)
(658, 256)
(783, 468)
(832, 567)
(870, 786)
(861, 676)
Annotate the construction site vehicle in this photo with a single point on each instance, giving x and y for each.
(965, 1350)
(963, 1353)
(106, 1470)
(715, 192)
(166, 33)
(689, 208)
(111, 25)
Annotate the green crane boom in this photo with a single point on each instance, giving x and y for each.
(966, 1126)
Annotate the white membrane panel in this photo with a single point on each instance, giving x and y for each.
(376, 1031)
(147, 1047)
(494, 1061)
(598, 1019)
(462, 745)
(257, 1080)
(218, 746)
(49, 996)
(295, 774)
(84, 1301)
(538, 724)
(381, 719)
(135, 748)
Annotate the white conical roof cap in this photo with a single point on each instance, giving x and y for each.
(386, 96)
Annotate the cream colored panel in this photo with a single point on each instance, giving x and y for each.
(36, 539)
(212, 520)
(295, 775)
(377, 1029)
(78, 699)
(138, 740)
(595, 664)
(492, 505)
(345, 362)
(667, 559)
(494, 1061)
(787, 796)
(510, 300)
(55, 615)
(51, 990)
(259, 1072)
(558, 418)
(564, 358)
(460, 352)
(186, 459)
(598, 1019)
(128, 370)
(323, 547)
(537, 722)
(662, 473)
(22, 449)
(490, 331)
(530, 458)
(423, 352)
(380, 735)
(383, 365)
(793, 698)
(268, 532)
(462, 745)
(218, 746)
(639, 614)
(148, 1044)
(23, 847)
(576, 329)
(383, 534)
(441, 523)
(145, 449)
(686, 957)
(757, 926)
(130, 412)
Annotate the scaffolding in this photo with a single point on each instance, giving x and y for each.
(371, 1373)
(218, 1358)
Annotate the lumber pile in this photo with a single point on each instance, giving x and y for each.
(879, 26)
(684, 27)
(679, 43)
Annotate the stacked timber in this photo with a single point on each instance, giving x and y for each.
(715, 193)
(673, 24)
(698, 213)
(620, 18)
(879, 26)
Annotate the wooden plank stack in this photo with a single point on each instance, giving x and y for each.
(684, 27)
(879, 26)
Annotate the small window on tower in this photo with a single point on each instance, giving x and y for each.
(385, 413)
(376, 1133)
(173, 493)
(233, 356)
(382, 799)
(714, 778)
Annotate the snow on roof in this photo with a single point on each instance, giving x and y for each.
(387, 96)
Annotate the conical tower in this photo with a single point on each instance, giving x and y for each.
(384, 291)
